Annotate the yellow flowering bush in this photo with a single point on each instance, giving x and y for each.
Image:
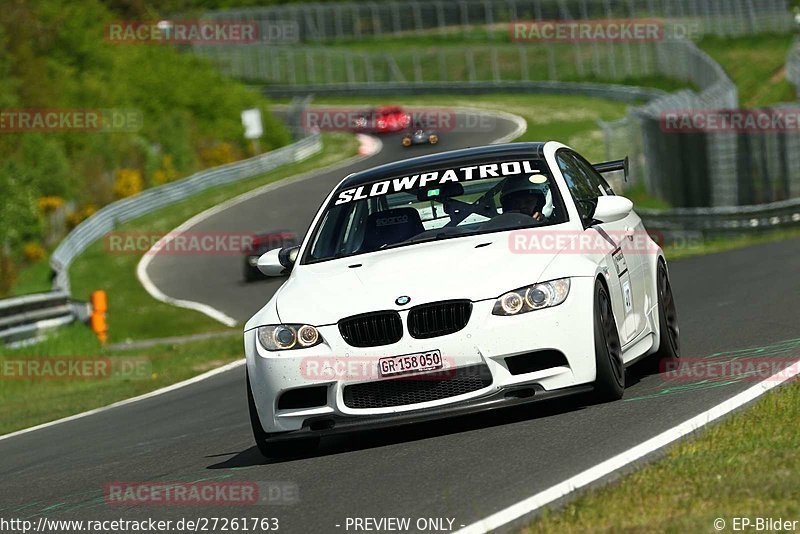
(217, 155)
(127, 182)
(167, 172)
(33, 252)
(49, 204)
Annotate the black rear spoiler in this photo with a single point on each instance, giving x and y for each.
(611, 166)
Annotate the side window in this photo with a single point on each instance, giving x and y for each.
(584, 182)
(598, 182)
(580, 186)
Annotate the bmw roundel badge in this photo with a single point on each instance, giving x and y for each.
(402, 301)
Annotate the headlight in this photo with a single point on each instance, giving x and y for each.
(288, 336)
(535, 297)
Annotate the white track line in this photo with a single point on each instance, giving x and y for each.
(371, 147)
(154, 393)
(522, 126)
(534, 502)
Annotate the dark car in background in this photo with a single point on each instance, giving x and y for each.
(420, 137)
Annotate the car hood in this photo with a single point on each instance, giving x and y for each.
(476, 268)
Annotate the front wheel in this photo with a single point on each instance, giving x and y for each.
(610, 382)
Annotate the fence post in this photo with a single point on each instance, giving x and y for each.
(417, 67)
(470, 57)
(523, 62)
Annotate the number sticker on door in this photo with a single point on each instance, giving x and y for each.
(626, 294)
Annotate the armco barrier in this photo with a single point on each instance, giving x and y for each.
(23, 317)
(723, 221)
(150, 200)
(623, 93)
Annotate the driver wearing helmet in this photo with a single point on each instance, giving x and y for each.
(524, 194)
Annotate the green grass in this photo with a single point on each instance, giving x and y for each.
(133, 313)
(25, 403)
(744, 466)
(756, 66)
(32, 278)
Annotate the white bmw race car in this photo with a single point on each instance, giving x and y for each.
(454, 283)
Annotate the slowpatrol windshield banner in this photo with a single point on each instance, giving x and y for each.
(441, 177)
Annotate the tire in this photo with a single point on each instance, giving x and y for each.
(266, 445)
(669, 347)
(250, 274)
(406, 142)
(434, 139)
(610, 382)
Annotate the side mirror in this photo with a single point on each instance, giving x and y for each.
(612, 208)
(278, 262)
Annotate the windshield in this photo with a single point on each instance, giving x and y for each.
(437, 204)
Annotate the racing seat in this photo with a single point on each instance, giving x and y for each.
(389, 227)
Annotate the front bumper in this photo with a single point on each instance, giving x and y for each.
(330, 425)
(487, 341)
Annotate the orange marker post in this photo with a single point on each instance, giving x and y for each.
(98, 318)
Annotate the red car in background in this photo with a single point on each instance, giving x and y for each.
(384, 119)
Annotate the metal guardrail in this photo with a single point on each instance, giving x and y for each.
(623, 93)
(723, 221)
(24, 317)
(104, 221)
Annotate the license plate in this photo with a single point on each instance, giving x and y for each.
(410, 363)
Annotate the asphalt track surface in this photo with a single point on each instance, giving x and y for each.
(464, 468)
